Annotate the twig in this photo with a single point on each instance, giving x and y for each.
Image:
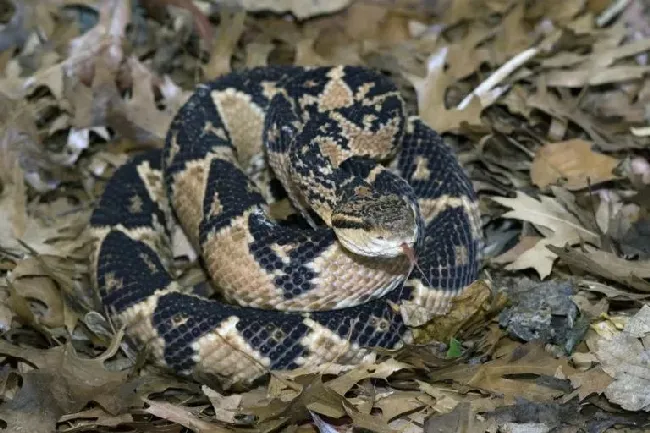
(499, 75)
(641, 132)
(608, 14)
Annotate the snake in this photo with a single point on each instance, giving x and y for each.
(382, 230)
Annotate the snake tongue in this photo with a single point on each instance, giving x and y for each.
(409, 252)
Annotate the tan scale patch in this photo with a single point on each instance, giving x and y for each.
(224, 353)
(331, 149)
(345, 280)
(135, 204)
(363, 91)
(234, 270)
(306, 100)
(137, 319)
(269, 89)
(380, 98)
(325, 346)
(174, 148)
(283, 172)
(218, 131)
(112, 283)
(153, 269)
(283, 251)
(426, 303)
(215, 206)
(461, 255)
(244, 120)
(430, 208)
(187, 197)
(422, 171)
(336, 93)
(154, 186)
(378, 144)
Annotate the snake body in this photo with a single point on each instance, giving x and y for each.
(327, 284)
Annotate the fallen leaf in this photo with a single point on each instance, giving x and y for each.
(621, 272)
(400, 402)
(226, 407)
(552, 220)
(431, 91)
(461, 419)
(64, 382)
(572, 163)
(622, 357)
(383, 370)
(499, 377)
(592, 381)
(183, 416)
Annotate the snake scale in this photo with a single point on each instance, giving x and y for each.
(385, 228)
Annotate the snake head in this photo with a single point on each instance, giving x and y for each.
(375, 224)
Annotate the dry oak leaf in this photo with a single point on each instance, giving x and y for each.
(431, 91)
(593, 381)
(498, 377)
(558, 226)
(575, 162)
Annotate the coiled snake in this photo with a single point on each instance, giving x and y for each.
(374, 191)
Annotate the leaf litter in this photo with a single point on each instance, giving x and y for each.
(546, 105)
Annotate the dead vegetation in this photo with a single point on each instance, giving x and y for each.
(547, 104)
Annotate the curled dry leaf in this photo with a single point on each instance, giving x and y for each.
(572, 163)
(552, 220)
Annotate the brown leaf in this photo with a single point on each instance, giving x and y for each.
(184, 416)
(34, 408)
(367, 421)
(572, 163)
(557, 224)
(592, 381)
(64, 382)
(139, 118)
(400, 402)
(619, 271)
(431, 92)
(461, 419)
(345, 382)
(226, 407)
(527, 360)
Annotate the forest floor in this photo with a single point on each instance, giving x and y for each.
(547, 105)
